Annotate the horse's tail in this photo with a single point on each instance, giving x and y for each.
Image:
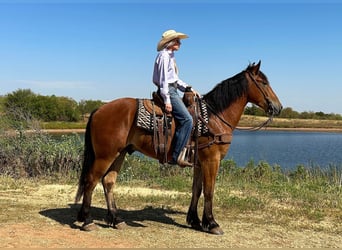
(88, 159)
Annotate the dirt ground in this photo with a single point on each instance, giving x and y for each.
(44, 216)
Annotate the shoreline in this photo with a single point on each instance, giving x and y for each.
(333, 130)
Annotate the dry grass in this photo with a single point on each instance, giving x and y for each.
(42, 215)
(245, 121)
(297, 124)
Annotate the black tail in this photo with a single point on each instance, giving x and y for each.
(88, 159)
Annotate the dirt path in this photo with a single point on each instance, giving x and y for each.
(43, 216)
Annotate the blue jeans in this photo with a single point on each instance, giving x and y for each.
(184, 119)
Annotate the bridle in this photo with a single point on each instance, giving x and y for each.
(225, 138)
(263, 124)
(258, 86)
(269, 120)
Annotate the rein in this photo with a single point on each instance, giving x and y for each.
(258, 127)
(225, 138)
(263, 124)
(218, 116)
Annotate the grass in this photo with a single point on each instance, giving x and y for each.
(63, 125)
(245, 121)
(308, 192)
(284, 123)
(278, 198)
(28, 161)
(314, 198)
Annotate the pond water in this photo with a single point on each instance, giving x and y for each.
(287, 149)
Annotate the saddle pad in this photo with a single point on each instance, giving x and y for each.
(203, 112)
(144, 118)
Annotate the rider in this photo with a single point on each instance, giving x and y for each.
(165, 76)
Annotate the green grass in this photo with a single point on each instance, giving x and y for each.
(246, 120)
(63, 125)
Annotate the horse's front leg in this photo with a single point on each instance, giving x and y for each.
(210, 170)
(192, 216)
(108, 182)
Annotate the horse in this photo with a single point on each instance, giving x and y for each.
(111, 133)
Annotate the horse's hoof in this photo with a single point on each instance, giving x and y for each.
(120, 225)
(197, 227)
(80, 217)
(216, 231)
(89, 227)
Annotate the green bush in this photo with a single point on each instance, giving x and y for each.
(39, 154)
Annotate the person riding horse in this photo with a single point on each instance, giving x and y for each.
(112, 132)
(165, 77)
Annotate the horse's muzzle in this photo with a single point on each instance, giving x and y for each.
(274, 109)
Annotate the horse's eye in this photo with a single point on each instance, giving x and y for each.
(264, 82)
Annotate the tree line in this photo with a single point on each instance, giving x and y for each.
(45, 108)
(56, 108)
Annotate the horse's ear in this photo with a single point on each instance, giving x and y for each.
(256, 68)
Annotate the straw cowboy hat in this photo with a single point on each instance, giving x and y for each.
(168, 36)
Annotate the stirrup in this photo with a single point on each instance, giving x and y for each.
(184, 157)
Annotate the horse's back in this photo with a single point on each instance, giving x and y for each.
(118, 107)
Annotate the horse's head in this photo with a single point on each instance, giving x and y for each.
(260, 91)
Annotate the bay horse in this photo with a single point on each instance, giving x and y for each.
(111, 132)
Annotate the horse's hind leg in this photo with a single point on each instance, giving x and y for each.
(108, 182)
(92, 178)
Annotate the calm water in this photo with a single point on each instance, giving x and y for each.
(287, 149)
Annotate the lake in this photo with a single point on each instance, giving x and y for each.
(287, 149)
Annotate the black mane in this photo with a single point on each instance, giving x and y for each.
(226, 92)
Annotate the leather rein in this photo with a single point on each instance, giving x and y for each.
(225, 138)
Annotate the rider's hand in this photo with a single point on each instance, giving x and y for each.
(168, 107)
(196, 93)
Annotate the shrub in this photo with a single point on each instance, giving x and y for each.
(39, 154)
(26, 151)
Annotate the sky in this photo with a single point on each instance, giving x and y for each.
(104, 50)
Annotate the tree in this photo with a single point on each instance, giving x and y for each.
(19, 103)
(254, 110)
(289, 113)
(68, 110)
(87, 106)
(2, 104)
(46, 108)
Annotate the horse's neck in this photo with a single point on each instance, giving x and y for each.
(233, 113)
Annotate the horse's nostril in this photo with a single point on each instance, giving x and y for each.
(274, 109)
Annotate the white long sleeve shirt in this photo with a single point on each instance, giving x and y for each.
(165, 73)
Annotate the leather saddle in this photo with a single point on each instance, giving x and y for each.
(152, 117)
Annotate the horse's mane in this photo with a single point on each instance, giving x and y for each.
(227, 91)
